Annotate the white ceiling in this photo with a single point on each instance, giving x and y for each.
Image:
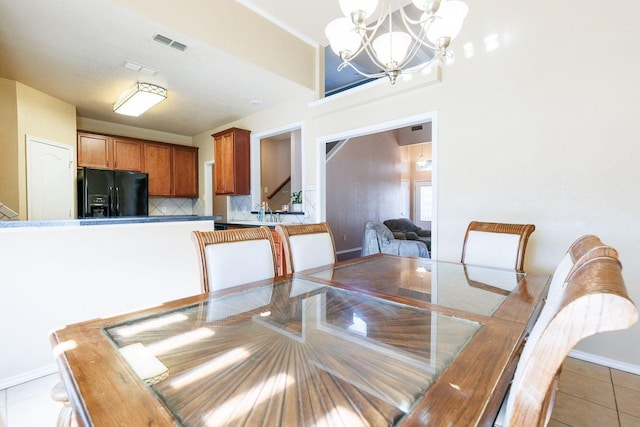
(75, 51)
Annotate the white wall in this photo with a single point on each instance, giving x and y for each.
(543, 128)
(54, 276)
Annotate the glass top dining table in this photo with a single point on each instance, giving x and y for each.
(380, 340)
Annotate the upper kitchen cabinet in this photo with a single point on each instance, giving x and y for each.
(232, 163)
(94, 151)
(185, 171)
(172, 169)
(128, 155)
(106, 152)
(158, 164)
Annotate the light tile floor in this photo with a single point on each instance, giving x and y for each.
(594, 395)
(588, 395)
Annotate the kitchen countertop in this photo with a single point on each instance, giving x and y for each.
(107, 221)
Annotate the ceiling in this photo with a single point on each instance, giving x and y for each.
(76, 50)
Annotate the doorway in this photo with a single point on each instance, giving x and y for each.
(423, 207)
(348, 238)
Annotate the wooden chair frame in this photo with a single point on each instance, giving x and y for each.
(285, 231)
(595, 301)
(523, 230)
(206, 238)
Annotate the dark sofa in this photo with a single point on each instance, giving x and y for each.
(404, 229)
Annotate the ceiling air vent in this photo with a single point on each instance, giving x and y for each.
(170, 42)
(416, 128)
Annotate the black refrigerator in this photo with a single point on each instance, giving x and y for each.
(106, 193)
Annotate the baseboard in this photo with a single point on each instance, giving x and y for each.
(27, 376)
(609, 363)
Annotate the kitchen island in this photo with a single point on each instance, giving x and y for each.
(59, 272)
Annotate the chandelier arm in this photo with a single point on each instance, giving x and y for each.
(406, 19)
(362, 73)
(421, 37)
(374, 58)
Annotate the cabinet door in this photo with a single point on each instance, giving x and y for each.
(232, 162)
(94, 151)
(157, 163)
(128, 155)
(224, 163)
(185, 171)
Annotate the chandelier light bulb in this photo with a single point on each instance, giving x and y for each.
(392, 51)
(343, 38)
(391, 48)
(448, 21)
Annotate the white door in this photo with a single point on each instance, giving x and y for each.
(423, 204)
(50, 178)
(406, 200)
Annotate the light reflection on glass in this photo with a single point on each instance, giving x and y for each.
(339, 416)
(148, 325)
(180, 340)
(245, 402)
(211, 367)
(359, 326)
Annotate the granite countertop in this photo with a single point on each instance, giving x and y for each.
(107, 221)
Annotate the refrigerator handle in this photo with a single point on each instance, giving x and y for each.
(111, 202)
(117, 201)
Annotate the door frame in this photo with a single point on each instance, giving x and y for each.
(321, 165)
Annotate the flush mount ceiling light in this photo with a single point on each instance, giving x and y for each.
(139, 98)
(391, 50)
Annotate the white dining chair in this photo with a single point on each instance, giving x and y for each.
(307, 246)
(497, 245)
(234, 257)
(593, 300)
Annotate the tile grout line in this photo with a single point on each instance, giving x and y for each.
(615, 398)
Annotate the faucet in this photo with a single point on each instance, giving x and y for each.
(270, 213)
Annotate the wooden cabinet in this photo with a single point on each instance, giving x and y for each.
(157, 162)
(106, 152)
(172, 169)
(94, 151)
(232, 162)
(185, 171)
(128, 155)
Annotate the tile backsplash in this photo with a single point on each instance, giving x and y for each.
(159, 206)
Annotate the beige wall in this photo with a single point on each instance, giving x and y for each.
(541, 129)
(44, 116)
(363, 183)
(109, 128)
(9, 191)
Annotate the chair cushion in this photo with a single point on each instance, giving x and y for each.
(311, 250)
(224, 266)
(499, 250)
(401, 224)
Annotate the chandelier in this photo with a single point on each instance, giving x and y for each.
(391, 50)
